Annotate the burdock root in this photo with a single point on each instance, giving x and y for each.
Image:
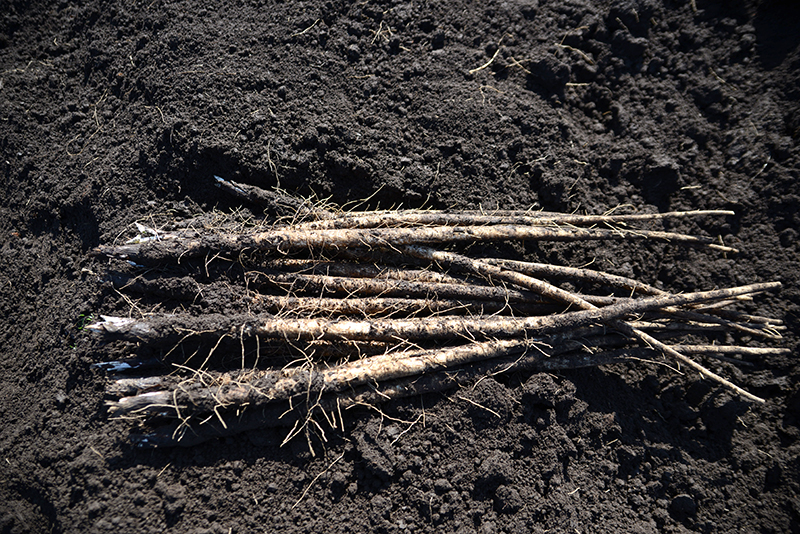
(355, 308)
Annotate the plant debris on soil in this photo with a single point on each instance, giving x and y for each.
(117, 116)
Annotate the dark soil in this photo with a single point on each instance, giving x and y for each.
(112, 111)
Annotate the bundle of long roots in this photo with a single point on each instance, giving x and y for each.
(355, 308)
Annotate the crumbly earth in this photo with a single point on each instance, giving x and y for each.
(112, 112)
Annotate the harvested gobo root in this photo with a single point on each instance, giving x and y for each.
(360, 307)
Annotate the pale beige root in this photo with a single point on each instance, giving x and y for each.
(756, 329)
(281, 240)
(330, 217)
(373, 281)
(320, 285)
(388, 306)
(548, 270)
(412, 329)
(476, 328)
(732, 349)
(611, 280)
(385, 219)
(268, 386)
(154, 402)
(209, 390)
(464, 263)
(189, 430)
(286, 239)
(239, 402)
(361, 270)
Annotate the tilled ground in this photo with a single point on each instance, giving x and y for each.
(117, 112)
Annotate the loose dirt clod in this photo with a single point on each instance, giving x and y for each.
(354, 308)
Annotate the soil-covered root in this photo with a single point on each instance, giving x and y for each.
(214, 408)
(413, 329)
(371, 306)
(283, 240)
